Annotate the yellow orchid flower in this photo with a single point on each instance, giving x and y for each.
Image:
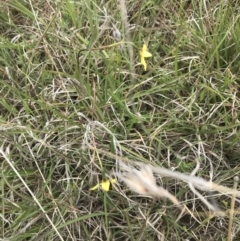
(104, 185)
(144, 54)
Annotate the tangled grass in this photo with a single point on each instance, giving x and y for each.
(77, 108)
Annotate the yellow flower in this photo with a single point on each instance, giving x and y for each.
(144, 54)
(104, 185)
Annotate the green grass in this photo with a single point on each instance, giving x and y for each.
(64, 87)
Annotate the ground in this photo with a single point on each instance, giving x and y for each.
(76, 101)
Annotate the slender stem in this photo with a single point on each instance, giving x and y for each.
(236, 179)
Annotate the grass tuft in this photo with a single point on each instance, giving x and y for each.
(76, 106)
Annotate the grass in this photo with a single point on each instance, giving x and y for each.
(73, 104)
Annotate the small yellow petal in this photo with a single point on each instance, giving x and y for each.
(144, 48)
(146, 54)
(95, 187)
(113, 180)
(143, 62)
(105, 185)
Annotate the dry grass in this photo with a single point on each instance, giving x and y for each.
(77, 107)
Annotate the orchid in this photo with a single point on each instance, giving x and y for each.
(105, 184)
(144, 54)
